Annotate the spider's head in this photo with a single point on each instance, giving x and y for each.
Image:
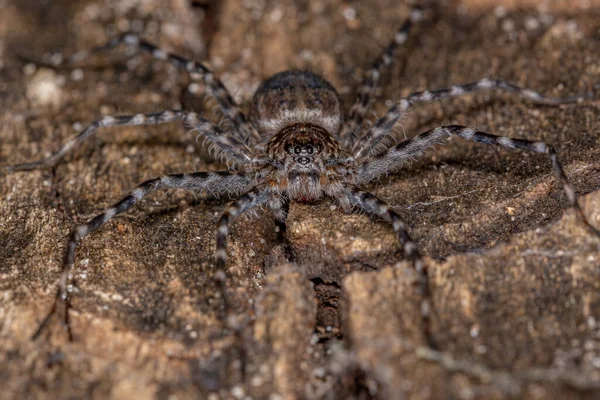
(301, 152)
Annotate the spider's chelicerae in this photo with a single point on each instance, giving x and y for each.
(297, 145)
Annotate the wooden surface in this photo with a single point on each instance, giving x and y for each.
(515, 275)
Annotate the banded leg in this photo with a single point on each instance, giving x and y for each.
(214, 182)
(230, 148)
(393, 158)
(370, 203)
(255, 197)
(197, 71)
(374, 141)
(369, 85)
(280, 207)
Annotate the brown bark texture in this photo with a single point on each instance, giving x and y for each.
(331, 310)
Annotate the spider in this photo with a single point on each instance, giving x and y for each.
(296, 145)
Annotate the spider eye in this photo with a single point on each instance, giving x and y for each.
(297, 149)
(309, 149)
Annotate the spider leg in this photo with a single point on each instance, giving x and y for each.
(231, 149)
(393, 158)
(256, 196)
(370, 203)
(197, 71)
(280, 207)
(253, 198)
(374, 141)
(216, 182)
(370, 83)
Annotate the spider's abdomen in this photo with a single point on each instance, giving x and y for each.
(296, 97)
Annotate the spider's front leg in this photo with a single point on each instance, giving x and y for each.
(280, 206)
(368, 202)
(256, 197)
(212, 182)
(197, 71)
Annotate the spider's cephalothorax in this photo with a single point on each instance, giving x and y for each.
(298, 145)
(303, 155)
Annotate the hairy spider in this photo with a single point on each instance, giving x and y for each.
(296, 145)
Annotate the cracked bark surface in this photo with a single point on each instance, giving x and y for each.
(514, 273)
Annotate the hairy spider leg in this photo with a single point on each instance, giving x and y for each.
(370, 83)
(197, 71)
(375, 140)
(253, 198)
(225, 145)
(394, 157)
(280, 208)
(370, 203)
(217, 183)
